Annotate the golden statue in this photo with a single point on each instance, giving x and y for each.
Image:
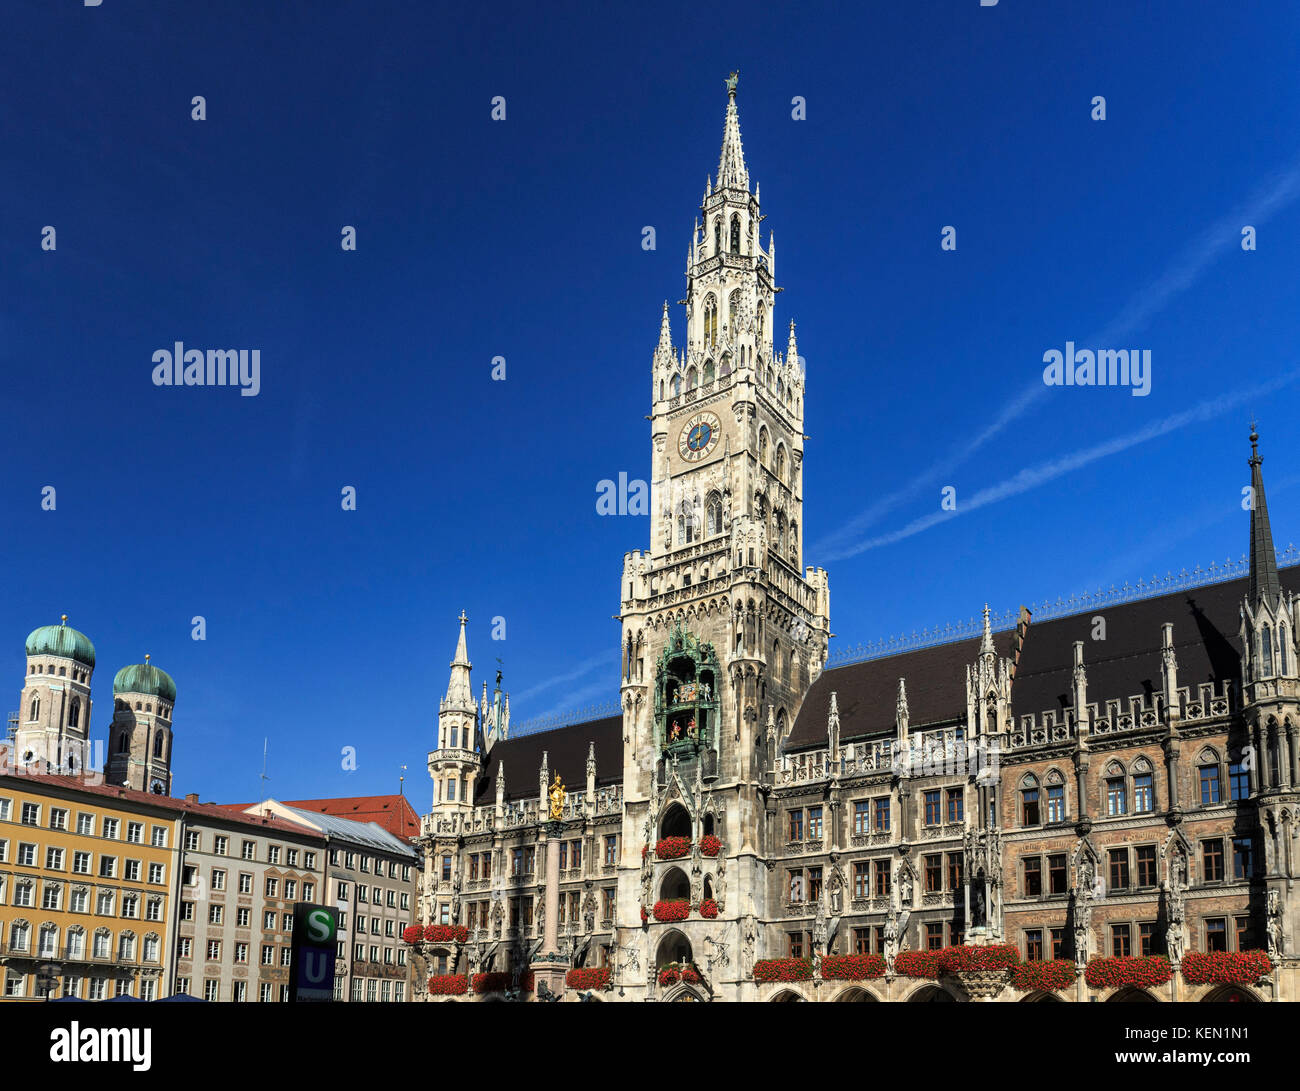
(557, 799)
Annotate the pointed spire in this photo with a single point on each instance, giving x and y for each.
(459, 693)
(1264, 583)
(792, 350)
(731, 163)
(986, 644)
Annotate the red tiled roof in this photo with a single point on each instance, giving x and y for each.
(166, 803)
(392, 813)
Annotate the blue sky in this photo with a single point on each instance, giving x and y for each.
(522, 239)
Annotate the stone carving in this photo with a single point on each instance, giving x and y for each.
(1273, 925)
(891, 940)
(837, 893)
(720, 880)
(750, 943)
(819, 927)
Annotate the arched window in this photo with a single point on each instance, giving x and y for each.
(103, 938)
(794, 542)
(713, 514)
(776, 661)
(690, 379)
(20, 935)
(48, 944)
(74, 713)
(733, 306)
(762, 446)
(123, 742)
(151, 948)
(1265, 651)
(1144, 796)
(711, 320)
(76, 942)
(780, 462)
(158, 745)
(677, 385)
(1208, 776)
(762, 322)
(708, 372)
(717, 235)
(1283, 638)
(724, 368)
(1030, 810)
(126, 947)
(735, 233)
(1116, 790)
(36, 709)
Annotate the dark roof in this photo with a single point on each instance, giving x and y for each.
(566, 749)
(867, 693)
(1206, 620)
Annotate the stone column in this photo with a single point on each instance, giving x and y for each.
(548, 967)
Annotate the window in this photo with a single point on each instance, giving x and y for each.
(1033, 866)
(1242, 928)
(245, 882)
(157, 873)
(241, 952)
(214, 950)
(85, 823)
(268, 955)
(1116, 797)
(794, 944)
(1216, 934)
(215, 913)
(26, 854)
(1058, 942)
(220, 844)
(211, 989)
(110, 828)
(933, 872)
(1147, 937)
(814, 824)
(80, 863)
(218, 879)
(1034, 945)
(273, 855)
(58, 818)
(309, 861)
(187, 911)
(272, 887)
(1119, 869)
(243, 917)
(1143, 795)
(1029, 803)
(861, 817)
(796, 886)
(1212, 860)
(862, 880)
(1241, 852)
(191, 840)
(158, 837)
(79, 901)
(1238, 781)
(934, 936)
(446, 862)
(153, 909)
(956, 805)
(1146, 865)
(611, 851)
(881, 811)
(53, 859)
(31, 814)
(932, 808)
(107, 867)
(1209, 784)
(135, 833)
(291, 858)
(290, 889)
(955, 868)
(882, 878)
(130, 905)
(1056, 803)
(796, 825)
(248, 851)
(1120, 940)
(1056, 873)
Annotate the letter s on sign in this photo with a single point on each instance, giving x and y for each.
(320, 926)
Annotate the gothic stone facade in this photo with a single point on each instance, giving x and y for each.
(1074, 790)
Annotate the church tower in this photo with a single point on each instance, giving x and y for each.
(723, 630)
(140, 736)
(54, 710)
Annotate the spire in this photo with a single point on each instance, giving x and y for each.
(986, 644)
(731, 163)
(792, 350)
(664, 350)
(459, 694)
(1264, 583)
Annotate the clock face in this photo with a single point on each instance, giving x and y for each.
(699, 437)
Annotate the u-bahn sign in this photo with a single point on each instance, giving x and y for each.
(315, 944)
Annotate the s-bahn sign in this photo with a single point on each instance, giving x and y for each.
(315, 944)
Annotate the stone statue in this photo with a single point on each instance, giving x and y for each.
(557, 799)
(750, 943)
(837, 894)
(720, 879)
(905, 888)
(1273, 925)
(891, 941)
(819, 927)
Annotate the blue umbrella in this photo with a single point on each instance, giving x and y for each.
(124, 996)
(61, 999)
(181, 996)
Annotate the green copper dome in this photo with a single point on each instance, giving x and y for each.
(62, 640)
(145, 678)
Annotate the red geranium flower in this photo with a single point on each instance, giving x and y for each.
(853, 967)
(412, 934)
(995, 956)
(783, 969)
(446, 933)
(447, 985)
(710, 845)
(594, 977)
(672, 848)
(676, 909)
(1225, 967)
(709, 908)
(1117, 973)
(917, 964)
(1051, 975)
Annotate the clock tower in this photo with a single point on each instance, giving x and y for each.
(723, 629)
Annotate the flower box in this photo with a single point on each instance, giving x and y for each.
(853, 967)
(675, 910)
(917, 964)
(412, 934)
(783, 969)
(672, 848)
(1050, 975)
(1117, 973)
(446, 933)
(595, 977)
(963, 957)
(668, 977)
(709, 909)
(448, 985)
(710, 845)
(490, 983)
(1225, 967)
(675, 971)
